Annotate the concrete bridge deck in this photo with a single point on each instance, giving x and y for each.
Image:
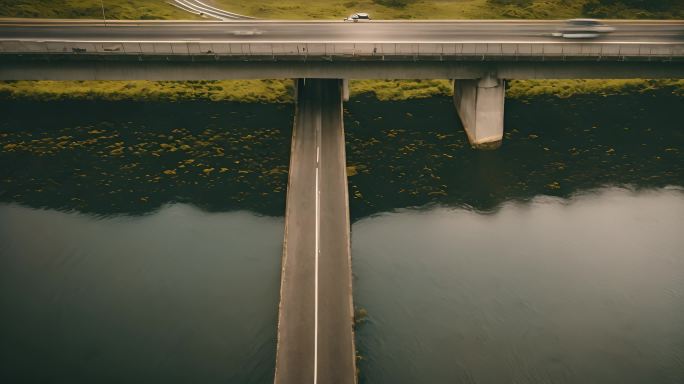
(173, 50)
(315, 334)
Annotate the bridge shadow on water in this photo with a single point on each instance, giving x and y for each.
(112, 158)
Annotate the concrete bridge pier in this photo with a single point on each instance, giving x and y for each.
(480, 105)
(345, 90)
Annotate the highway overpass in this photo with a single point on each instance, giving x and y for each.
(378, 50)
(487, 51)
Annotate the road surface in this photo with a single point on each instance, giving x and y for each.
(329, 31)
(201, 8)
(315, 338)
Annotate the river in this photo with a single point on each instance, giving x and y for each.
(141, 242)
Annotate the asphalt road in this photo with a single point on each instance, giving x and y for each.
(330, 31)
(200, 7)
(315, 340)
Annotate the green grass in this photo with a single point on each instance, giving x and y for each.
(251, 91)
(337, 9)
(524, 89)
(439, 9)
(517, 89)
(401, 89)
(281, 91)
(427, 9)
(91, 9)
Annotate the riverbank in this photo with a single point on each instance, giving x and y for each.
(111, 157)
(282, 91)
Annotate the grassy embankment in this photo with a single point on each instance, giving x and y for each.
(92, 9)
(457, 9)
(280, 90)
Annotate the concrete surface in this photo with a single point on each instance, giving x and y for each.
(315, 324)
(480, 105)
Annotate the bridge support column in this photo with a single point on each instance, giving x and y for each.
(345, 90)
(480, 105)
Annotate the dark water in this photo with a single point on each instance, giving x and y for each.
(589, 290)
(181, 296)
(140, 242)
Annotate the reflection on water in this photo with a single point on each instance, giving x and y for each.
(586, 291)
(408, 154)
(181, 296)
(132, 158)
(132, 270)
(126, 157)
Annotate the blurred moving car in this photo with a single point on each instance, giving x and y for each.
(247, 32)
(358, 17)
(582, 29)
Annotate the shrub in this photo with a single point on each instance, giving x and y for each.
(518, 3)
(394, 3)
(604, 8)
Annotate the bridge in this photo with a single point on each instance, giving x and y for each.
(315, 324)
(315, 337)
(479, 55)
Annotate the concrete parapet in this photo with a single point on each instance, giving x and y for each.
(480, 105)
(324, 51)
(26, 67)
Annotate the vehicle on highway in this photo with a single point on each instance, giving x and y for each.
(247, 32)
(583, 29)
(358, 17)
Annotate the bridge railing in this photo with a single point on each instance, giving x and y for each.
(381, 51)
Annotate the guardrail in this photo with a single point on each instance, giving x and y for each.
(313, 50)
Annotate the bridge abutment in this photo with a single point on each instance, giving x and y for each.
(480, 105)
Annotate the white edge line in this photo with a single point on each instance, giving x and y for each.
(317, 250)
(179, 6)
(293, 156)
(623, 22)
(224, 12)
(336, 42)
(200, 9)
